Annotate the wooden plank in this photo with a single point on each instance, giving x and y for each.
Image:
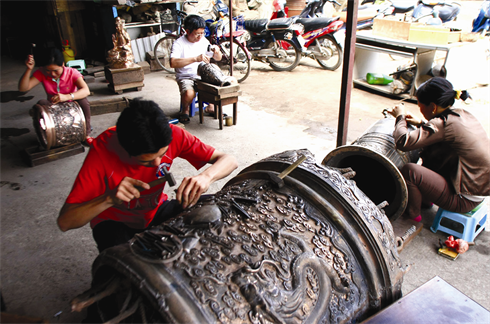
(130, 85)
(14, 318)
(35, 156)
(92, 70)
(100, 107)
(208, 87)
(211, 98)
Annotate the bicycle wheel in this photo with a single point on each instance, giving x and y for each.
(331, 53)
(162, 51)
(287, 55)
(241, 60)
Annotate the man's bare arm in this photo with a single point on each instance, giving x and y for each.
(77, 215)
(192, 188)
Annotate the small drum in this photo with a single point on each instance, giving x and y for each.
(59, 124)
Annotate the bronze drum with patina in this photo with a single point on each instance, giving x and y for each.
(306, 247)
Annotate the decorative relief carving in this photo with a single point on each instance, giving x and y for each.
(262, 259)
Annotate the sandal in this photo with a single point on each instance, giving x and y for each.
(184, 119)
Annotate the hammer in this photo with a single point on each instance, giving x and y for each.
(167, 176)
(278, 179)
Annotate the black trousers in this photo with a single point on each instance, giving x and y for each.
(111, 233)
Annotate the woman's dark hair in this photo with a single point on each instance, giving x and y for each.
(437, 90)
(143, 128)
(50, 56)
(193, 22)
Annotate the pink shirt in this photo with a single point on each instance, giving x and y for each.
(67, 81)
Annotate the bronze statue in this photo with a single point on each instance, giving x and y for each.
(121, 56)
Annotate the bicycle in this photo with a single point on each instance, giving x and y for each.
(241, 57)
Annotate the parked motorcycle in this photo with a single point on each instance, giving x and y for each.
(482, 22)
(367, 11)
(446, 11)
(320, 43)
(275, 42)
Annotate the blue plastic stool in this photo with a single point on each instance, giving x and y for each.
(192, 108)
(77, 64)
(470, 221)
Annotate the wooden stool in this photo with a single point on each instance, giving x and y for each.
(219, 96)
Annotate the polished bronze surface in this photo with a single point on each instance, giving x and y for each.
(314, 249)
(59, 124)
(121, 55)
(377, 163)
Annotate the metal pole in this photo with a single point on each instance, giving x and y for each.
(349, 51)
(231, 36)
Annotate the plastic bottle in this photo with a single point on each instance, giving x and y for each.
(378, 78)
(68, 54)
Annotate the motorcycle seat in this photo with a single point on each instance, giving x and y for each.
(280, 23)
(316, 23)
(447, 12)
(402, 6)
(255, 25)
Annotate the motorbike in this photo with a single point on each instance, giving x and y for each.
(446, 11)
(482, 22)
(367, 11)
(320, 44)
(276, 42)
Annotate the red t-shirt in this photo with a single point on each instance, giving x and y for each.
(67, 81)
(107, 163)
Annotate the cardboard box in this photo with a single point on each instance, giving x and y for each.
(391, 28)
(415, 32)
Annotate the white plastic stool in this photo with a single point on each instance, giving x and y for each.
(470, 222)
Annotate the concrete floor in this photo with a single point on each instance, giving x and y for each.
(42, 269)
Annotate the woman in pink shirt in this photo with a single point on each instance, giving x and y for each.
(60, 82)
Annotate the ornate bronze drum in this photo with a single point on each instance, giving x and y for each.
(377, 163)
(309, 248)
(59, 124)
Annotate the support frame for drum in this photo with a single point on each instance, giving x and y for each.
(36, 155)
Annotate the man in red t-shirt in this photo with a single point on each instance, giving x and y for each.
(111, 190)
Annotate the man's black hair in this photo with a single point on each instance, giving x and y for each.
(50, 56)
(193, 22)
(143, 128)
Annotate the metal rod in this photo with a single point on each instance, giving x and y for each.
(349, 50)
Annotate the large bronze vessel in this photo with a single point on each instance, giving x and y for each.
(377, 164)
(59, 124)
(306, 247)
